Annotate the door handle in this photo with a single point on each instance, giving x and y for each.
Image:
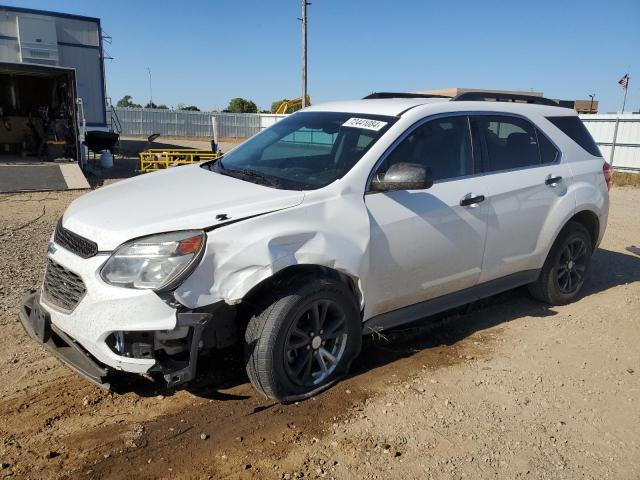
(471, 201)
(553, 181)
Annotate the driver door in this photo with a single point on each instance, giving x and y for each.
(427, 243)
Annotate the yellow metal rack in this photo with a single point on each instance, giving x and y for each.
(160, 158)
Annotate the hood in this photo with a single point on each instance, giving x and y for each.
(180, 198)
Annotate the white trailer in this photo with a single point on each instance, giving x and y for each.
(52, 87)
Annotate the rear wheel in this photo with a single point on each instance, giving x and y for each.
(303, 339)
(566, 266)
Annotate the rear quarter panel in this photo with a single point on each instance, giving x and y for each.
(587, 184)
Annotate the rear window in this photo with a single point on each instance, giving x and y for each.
(576, 131)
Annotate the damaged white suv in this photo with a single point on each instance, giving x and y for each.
(339, 220)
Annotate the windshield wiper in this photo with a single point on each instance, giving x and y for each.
(248, 173)
(215, 163)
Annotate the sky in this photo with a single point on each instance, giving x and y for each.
(205, 52)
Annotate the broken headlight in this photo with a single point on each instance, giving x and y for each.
(158, 262)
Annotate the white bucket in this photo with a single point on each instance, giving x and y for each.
(106, 159)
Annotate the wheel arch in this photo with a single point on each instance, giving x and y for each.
(585, 217)
(287, 274)
(589, 220)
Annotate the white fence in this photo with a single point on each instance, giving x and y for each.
(180, 123)
(625, 155)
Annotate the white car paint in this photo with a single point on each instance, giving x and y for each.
(174, 199)
(398, 247)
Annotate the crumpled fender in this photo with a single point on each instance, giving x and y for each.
(241, 255)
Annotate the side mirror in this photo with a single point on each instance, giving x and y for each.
(403, 176)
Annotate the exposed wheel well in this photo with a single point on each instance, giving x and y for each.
(292, 272)
(590, 221)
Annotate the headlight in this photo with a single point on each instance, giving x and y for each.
(156, 262)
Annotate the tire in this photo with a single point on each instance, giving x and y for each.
(566, 267)
(283, 360)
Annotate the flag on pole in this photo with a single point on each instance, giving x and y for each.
(624, 81)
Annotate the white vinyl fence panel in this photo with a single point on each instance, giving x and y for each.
(180, 123)
(626, 154)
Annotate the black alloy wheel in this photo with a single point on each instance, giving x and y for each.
(302, 337)
(316, 343)
(572, 265)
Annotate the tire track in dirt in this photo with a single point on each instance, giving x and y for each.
(248, 436)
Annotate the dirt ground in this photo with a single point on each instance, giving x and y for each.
(504, 388)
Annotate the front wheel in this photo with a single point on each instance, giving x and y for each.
(303, 339)
(566, 266)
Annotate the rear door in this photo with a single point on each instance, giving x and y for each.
(427, 243)
(525, 180)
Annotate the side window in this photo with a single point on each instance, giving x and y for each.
(510, 142)
(573, 127)
(548, 152)
(442, 145)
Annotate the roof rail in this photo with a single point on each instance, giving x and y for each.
(375, 95)
(502, 97)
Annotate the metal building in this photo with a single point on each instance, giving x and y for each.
(60, 40)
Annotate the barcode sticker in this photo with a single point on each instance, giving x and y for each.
(365, 123)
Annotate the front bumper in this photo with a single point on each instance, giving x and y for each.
(105, 309)
(120, 329)
(37, 323)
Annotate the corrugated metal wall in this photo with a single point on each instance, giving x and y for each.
(627, 150)
(179, 123)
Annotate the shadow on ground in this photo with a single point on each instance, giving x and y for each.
(225, 369)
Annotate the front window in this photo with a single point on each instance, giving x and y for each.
(304, 151)
(442, 145)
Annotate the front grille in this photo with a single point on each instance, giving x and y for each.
(62, 288)
(74, 242)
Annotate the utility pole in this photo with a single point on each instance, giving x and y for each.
(150, 90)
(304, 52)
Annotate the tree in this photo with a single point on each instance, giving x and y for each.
(241, 105)
(190, 108)
(125, 102)
(162, 106)
(150, 105)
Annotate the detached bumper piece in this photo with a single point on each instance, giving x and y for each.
(176, 372)
(37, 324)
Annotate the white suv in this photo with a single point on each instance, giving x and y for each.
(340, 220)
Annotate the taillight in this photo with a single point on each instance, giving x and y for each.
(607, 171)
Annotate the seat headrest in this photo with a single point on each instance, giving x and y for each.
(518, 140)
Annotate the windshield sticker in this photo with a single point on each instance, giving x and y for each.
(365, 123)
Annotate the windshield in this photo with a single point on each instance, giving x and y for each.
(304, 151)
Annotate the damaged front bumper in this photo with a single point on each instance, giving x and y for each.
(176, 370)
(37, 323)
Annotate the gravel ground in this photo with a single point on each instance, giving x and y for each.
(506, 388)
